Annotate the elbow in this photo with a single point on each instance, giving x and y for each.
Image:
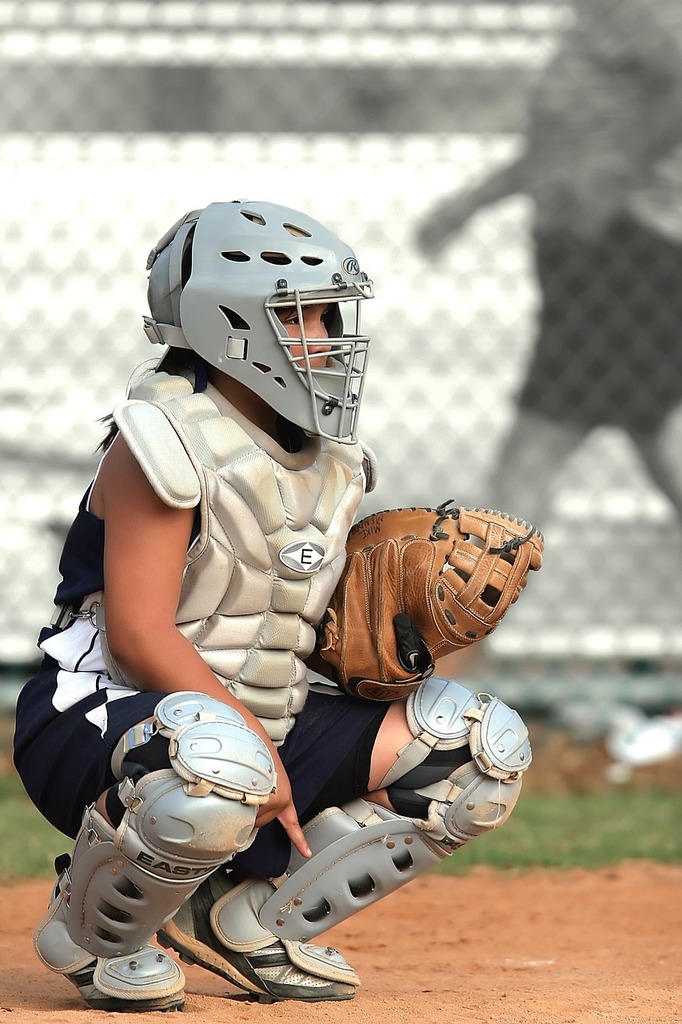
(134, 648)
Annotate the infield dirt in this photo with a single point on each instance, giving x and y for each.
(545, 947)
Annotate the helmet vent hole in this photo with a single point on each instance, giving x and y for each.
(255, 218)
(237, 256)
(280, 259)
(236, 322)
(297, 232)
(280, 380)
(263, 367)
(311, 261)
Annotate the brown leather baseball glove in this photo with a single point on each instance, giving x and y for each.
(418, 584)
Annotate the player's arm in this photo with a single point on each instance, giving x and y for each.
(144, 556)
(451, 213)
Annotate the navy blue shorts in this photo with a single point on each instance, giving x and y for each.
(65, 762)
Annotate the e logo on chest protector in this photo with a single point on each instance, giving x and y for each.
(302, 556)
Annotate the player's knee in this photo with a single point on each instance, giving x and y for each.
(461, 774)
(205, 742)
(194, 747)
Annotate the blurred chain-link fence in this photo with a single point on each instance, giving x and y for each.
(119, 116)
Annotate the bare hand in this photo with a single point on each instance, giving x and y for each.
(281, 806)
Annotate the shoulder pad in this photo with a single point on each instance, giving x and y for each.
(161, 454)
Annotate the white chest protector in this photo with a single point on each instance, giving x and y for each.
(271, 545)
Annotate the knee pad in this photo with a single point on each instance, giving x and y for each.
(461, 774)
(179, 824)
(208, 744)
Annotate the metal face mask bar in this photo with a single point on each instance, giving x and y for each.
(339, 383)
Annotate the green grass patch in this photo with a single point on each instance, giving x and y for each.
(28, 844)
(574, 830)
(580, 830)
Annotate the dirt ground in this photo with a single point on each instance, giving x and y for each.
(541, 947)
(549, 947)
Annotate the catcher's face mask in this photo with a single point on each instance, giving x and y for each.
(335, 383)
(249, 261)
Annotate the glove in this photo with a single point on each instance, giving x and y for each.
(418, 584)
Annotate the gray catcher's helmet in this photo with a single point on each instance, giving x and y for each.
(217, 278)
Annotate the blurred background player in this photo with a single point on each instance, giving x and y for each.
(602, 163)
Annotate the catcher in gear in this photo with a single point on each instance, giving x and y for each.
(217, 800)
(418, 584)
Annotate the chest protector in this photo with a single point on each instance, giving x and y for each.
(271, 543)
